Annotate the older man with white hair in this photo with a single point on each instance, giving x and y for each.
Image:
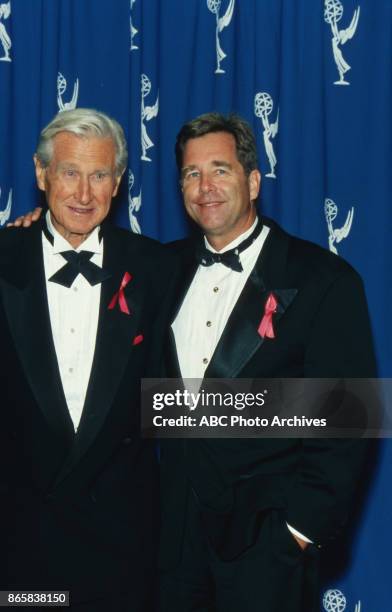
(78, 488)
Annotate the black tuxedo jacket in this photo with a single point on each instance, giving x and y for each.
(79, 511)
(321, 331)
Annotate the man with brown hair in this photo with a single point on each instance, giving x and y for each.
(244, 520)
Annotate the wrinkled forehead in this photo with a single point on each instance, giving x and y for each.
(84, 149)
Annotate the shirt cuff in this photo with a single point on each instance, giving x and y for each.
(298, 534)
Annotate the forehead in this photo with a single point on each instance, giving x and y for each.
(68, 147)
(216, 146)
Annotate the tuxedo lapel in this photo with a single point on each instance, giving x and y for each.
(240, 339)
(27, 311)
(113, 348)
(190, 266)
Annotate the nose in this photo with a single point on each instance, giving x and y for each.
(205, 185)
(84, 190)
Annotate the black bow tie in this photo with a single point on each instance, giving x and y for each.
(79, 263)
(230, 258)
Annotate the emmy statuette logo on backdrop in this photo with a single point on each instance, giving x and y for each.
(134, 204)
(333, 12)
(337, 234)
(335, 601)
(6, 213)
(5, 39)
(147, 113)
(133, 30)
(221, 23)
(61, 87)
(263, 108)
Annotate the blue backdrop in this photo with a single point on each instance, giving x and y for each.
(311, 76)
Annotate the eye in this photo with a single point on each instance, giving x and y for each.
(68, 172)
(192, 174)
(220, 171)
(99, 176)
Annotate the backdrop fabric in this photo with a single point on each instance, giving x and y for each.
(312, 77)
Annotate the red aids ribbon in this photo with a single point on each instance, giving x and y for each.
(138, 339)
(265, 328)
(119, 295)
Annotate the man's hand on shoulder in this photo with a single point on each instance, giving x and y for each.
(27, 219)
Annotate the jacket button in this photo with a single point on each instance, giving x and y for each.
(127, 441)
(49, 497)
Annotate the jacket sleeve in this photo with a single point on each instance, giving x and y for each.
(340, 346)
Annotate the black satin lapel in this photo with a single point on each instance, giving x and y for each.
(189, 267)
(284, 298)
(240, 339)
(28, 316)
(113, 349)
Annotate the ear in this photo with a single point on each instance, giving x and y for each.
(117, 182)
(40, 173)
(254, 182)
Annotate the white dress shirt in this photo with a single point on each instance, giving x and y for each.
(208, 304)
(74, 318)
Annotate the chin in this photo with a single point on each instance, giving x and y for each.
(212, 228)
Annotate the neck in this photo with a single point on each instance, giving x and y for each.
(75, 240)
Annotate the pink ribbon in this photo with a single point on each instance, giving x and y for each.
(265, 328)
(119, 295)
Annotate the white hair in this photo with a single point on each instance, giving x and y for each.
(84, 122)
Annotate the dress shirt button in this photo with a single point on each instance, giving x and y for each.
(215, 289)
(208, 323)
(75, 288)
(70, 370)
(205, 360)
(72, 330)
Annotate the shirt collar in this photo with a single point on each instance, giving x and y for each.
(234, 242)
(92, 243)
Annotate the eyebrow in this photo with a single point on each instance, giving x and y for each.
(62, 165)
(70, 165)
(216, 163)
(225, 164)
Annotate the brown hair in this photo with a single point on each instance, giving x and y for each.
(208, 123)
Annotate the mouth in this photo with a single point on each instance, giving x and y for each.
(209, 204)
(80, 211)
